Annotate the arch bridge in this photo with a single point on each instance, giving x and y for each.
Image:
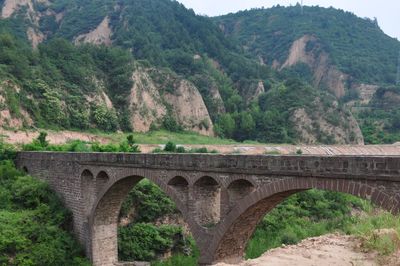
(221, 197)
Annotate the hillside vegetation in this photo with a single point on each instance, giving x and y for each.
(335, 51)
(135, 65)
(356, 45)
(34, 225)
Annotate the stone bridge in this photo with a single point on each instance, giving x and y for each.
(221, 197)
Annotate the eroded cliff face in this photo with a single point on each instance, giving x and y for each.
(146, 103)
(252, 91)
(366, 92)
(157, 94)
(100, 35)
(326, 124)
(11, 7)
(307, 50)
(14, 117)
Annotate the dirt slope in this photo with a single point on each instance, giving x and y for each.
(325, 250)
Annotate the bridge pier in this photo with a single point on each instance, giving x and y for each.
(222, 198)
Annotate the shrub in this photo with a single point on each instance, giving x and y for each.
(145, 241)
(42, 139)
(180, 149)
(170, 147)
(149, 201)
(170, 124)
(33, 223)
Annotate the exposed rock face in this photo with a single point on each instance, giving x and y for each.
(391, 98)
(338, 126)
(35, 37)
(33, 33)
(217, 99)
(146, 104)
(10, 6)
(189, 108)
(366, 92)
(150, 102)
(324, 73)
(8, 119)
(100, 35)
(100, 99)
(253, 91)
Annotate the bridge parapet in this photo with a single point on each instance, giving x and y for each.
(365, 166)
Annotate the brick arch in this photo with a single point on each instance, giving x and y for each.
(231, 237)
(102, 179)
(88, 188)
(207, 201)
(239, 189)
(103, 222)
(181, 187)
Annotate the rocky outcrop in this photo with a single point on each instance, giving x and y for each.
(217, 99)
(35, 37)
(252, 92)
(146, 103)
(323, 124)
(366, 92)
(8, 117)
(100, 35)
(307, 50)
(189, 108)
(157, 94)
(11, 6)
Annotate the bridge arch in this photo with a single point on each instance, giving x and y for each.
(102, 179)
(181, 186)
(238, 189)
(103, 222)
(207, 201)
(88, 188)
(231, 237)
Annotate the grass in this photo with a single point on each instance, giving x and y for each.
(366, 229)
(161, 136)
(177, 260)
(289, 223)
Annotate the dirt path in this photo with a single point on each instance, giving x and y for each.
(326, 250)
(60, 137)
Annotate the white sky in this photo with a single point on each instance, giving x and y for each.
(387, 11)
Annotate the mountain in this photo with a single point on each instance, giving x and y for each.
(351, 57)
(145, 64)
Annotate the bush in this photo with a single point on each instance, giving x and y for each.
(149, 202)
(144, 242)
(105, 118)
(33, 223)
(169, 123)
(170, 147)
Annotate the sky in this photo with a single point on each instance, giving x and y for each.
(386, 11)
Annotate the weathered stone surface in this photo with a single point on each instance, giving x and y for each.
(221, 197)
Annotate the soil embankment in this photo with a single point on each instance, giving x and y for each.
(333, 249)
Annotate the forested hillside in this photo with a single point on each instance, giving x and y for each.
(351, 57)
(148, 64)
